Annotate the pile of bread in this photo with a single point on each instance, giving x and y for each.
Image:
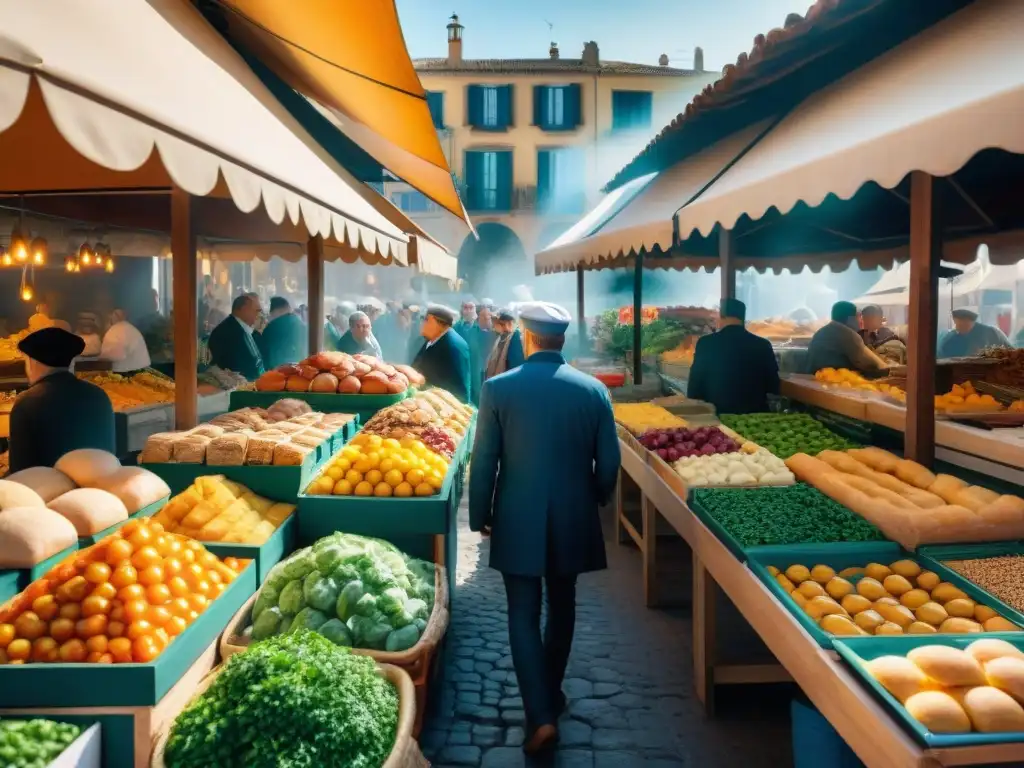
(282, 435)
(434, 408)
(45, 510)
(338, 372)
(908, 502)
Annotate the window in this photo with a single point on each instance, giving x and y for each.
(435, 102)
(412, 202)
(561, 180)
(556, 107)
(488, 180)
(631, 110)
(490, 107)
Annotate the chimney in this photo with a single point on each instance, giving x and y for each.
(454, 40)
(553, 51)
(663, 60)
(591, 55)
(698, 59)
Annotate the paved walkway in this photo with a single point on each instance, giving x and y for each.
(629, 683)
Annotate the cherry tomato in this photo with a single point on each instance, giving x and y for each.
(94, 625)
(158, 594)
(154, 574)
(29, 626)
(145, 557)
(135, 609)
(45, 607)
(62, 630)
(95, 606)
(142, 537)
(139, 629)
(214, 577)
(71, 611)
(116, 610)
(118, 552)
(19, 650)
(73, 590)
(97, 573)
(161, 637)
(188, 556)
(144, 649)
(97, 644)
(121, 649)
(207, 559)
(173, 566)
(106, 589)
(130, 527)
(198, 602)
(204, 588)
(178, 587)
(131, 592)
(124, 575)
(155, 527)
(175, 626)
(158, 615)
(73, 650)
(179, 606)
(7, 634)
(44, 649)
(115, 628)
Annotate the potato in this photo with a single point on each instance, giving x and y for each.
(822, 574)
(948, 666)
(897, 614)
(938, 712)
(927, 580)
(896, 585)
(785, 583)
(999, 624)
(989, 648)
(868, 620)
(854, 604)
(851, 573)
(914, 599)
(877, 571)
(945, 592)
(958, 626)
(992, 710)
(871, 588)
(983, 613)
(838, 587)
(839, 625)
(962, 607)
(810, 589)
(921, 628)
(822, 606)
(898, 675)
(888, 628)
(798, 573)
(908, 569)
(1007, 674)
(932, 613)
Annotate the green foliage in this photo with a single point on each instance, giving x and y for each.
(785, 434)
(293, 701)
(34, 743)
(655, 337)
(795, 514)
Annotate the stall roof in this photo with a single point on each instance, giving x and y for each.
(351, 58)
(212, 122)
(916, 108)
(638, 216)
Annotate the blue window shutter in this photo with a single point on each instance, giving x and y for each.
(472, 170)
(543, 177)
(435, 103)
(539, 95)
(504, 181)
(646, 102)
(505, 111)
(474, 105)
(573, 111)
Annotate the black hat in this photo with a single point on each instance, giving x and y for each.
(446, 315)
(279, 302)
(505, 315)
(965, 313)
(54, 347)
(733, 308)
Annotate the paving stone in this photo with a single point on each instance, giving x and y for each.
(577, 688)
(606, 690)
(498, 675)
(476, 713)
(504, 757)
(511, 703)
(514, 736)
(461, 755)
(464, 665)
(573, 733)
(505, 663)
(468, 697)
(604, 675)
(493, 685)
(629, 701)
(464, 677)
(491, 701)
(460, 738)
(573, 758)
(470, 687)
(482, 667)
(487, 735)
(618, 759)
(465, 652)
(497, 647)
(513, 716)
(471, 642)
(491, 656)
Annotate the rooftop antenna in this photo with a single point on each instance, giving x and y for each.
(551, 27)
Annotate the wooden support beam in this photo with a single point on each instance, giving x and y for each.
(727, 264)
(638, 302)
(581, 318)
(186, 334)
(315, 299)
(925, 254)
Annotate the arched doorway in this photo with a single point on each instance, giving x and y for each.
(494, 264)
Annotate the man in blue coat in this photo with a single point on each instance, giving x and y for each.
(444, 359)
(546, 457)
(232, 343)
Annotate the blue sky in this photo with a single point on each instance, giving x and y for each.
(625, 30)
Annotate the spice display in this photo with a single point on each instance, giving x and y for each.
(880, 599)
(787, 433)
(1002, 576)
(34, 743)
(126, 392)
(788, 515)
(291, 700)
(642, 417)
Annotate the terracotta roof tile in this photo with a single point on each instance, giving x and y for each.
(546, 66)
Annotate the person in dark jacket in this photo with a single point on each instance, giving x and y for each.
(467, 322)
(733, 369)
(59, 412)
(359, 338)
(838, 344)
(231, 343)
(285, 339)
(507, 352)
(482, 341)
(545, 458)
(444, 358)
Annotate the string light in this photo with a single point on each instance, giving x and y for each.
(19, 248)
(40, 251)
(85, 255)
(5, 257)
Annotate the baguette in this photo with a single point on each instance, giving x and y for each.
(876, 458)
(916, 496)
(911, 472)
(975, 497)
(947, 487)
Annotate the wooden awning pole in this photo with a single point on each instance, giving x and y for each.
(727, 264)
(925, 256)
(315, 283)
(186, 327)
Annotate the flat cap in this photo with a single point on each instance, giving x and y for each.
(544, 318)
(506, 315)
(54, 347)
(446, 315)
(965, 312)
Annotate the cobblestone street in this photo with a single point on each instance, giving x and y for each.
(629, 684)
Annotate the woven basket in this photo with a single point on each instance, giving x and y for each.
(405, 754)
(416, 661)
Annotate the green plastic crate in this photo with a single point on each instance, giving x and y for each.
(148, 511)
(971, 551)
(117, 740)
(124, 685)
(9, 585)
(842, 555)
(856, 649)
(266, 555)
(363, 406)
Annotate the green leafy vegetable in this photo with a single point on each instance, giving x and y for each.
(34, 743)
(293, 701)
(785, 434)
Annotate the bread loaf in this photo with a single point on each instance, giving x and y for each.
(14, 495)
(159, 448)
(911, 472)
(190, 450)
(947, 487)
(260, 449)
(375, 383)
(228, 450)
(975, 497)
(876, 458)
(290, 454)
(49, 483)
(136, 487)
(349, 385)
(29, 535)
(297, 384)
(90, 510)
(88, 466)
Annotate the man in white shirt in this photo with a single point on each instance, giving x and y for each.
(124, 345)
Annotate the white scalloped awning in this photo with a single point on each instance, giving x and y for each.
(122, 77)
(928, 105)
(638, 215)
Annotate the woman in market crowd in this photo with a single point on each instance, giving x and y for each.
(507, 352)
(968, 336)
(879, 338)
(124, 345)
(232, 345)
(546, 456)
(88, 328)
(444, 358)
(359, 339)
(733, 369)
(285, 339)
(838, 344)
(59, 412)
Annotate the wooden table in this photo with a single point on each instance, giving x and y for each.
(878, 740)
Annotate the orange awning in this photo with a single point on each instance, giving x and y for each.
(351, 58)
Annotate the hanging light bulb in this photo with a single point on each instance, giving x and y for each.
(27, 294)
(85, 255)
(19, 247)
(69, 264)
(40, 250)
(110, 264)
(5, 257)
